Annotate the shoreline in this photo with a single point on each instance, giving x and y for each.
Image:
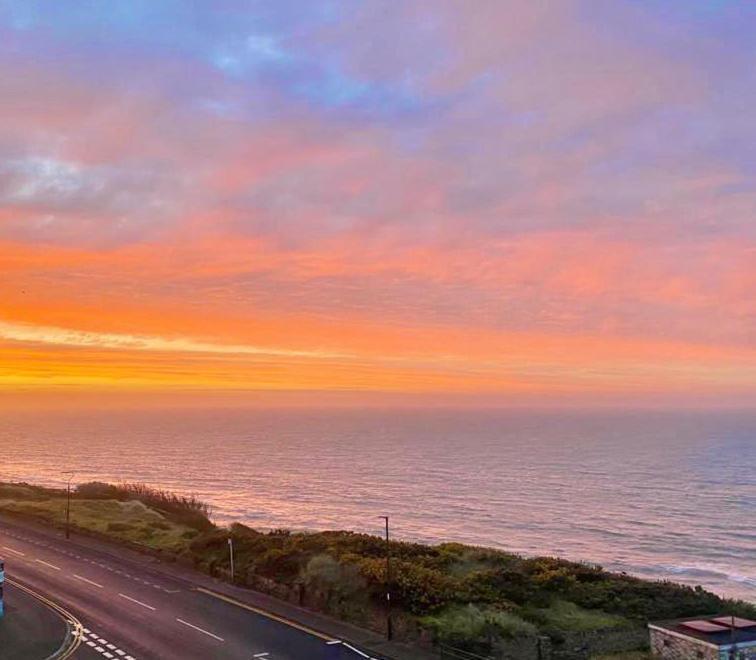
(680, 574)
(342, 574)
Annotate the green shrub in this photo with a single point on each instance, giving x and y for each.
(475, 629)
(324, 573)
(566, 616)
(278, 565)
(97, 490)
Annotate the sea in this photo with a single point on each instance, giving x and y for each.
(658, 494)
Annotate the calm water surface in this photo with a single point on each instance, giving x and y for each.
(663, 495)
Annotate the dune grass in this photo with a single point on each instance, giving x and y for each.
(130, 521)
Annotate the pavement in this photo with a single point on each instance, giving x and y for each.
(30, 628)
(127, 605)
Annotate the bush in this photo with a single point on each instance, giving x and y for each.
(98, 490)
(565, 616)
(474, 629)
(186, 510)
(324, 573)
(278, 565)
(24, 491)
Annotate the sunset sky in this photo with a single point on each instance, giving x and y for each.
(490, 200)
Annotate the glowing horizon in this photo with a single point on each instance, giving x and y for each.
(512, 203)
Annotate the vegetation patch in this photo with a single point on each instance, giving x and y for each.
(471, 597)
(563, 615)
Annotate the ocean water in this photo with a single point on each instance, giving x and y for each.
(656, 494)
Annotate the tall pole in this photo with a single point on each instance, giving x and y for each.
(733, 648)
(231, 556)
(389, 629)
(68, 504)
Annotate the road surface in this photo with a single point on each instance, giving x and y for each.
(30, 628)
(128, 611)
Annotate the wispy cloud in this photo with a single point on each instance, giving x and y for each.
(63, 337)
(395, 193)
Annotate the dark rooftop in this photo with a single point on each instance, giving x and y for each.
(719, 630)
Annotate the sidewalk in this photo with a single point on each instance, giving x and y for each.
(365, 640)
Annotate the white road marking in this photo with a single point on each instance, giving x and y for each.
(260, 655)
(15, 552)
(39, 561)
(209, 634)
(83, 579)
(101, 645)
(350, 647)
(138, 602)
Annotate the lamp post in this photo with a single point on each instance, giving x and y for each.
(389, 629)
(68, 503)
(231, 556)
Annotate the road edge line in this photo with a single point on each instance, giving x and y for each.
(266, 614)
(72, 639)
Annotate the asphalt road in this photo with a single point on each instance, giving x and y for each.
(128, 611)
(30, 629)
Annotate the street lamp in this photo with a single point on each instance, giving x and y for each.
(231, 556)
(389, 629)
(68, 503)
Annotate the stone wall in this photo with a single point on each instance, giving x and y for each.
(672, 647)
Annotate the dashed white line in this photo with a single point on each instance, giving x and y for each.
(261, 655)
(138, 602)
(15, 552)
(39, 561)
(83, 579)
(209, 634)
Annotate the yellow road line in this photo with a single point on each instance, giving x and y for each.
(62, 653)
(268, 615)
